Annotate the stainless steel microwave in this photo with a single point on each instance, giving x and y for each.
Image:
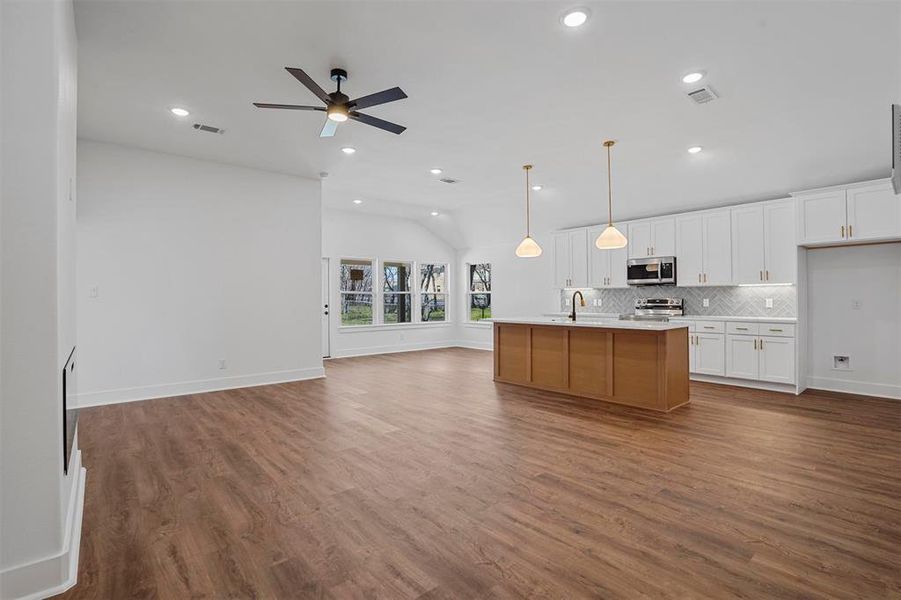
(657, 270)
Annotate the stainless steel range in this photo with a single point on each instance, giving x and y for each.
(655, 309)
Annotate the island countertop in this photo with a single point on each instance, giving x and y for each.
(593, 323)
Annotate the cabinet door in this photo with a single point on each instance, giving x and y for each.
(710, 350)
(689, 250)
(822, 217)
(562, 260)
(717, 248)
(742, 356)
(578, 246)
(618, 260)
(663, 237)
(780, 246)
(692, 354)
(747, 244)
(598, 261)
(777, 359)
(873, 212)
(639, 239)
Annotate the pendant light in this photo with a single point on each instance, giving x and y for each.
(610, 238)
(528, 248)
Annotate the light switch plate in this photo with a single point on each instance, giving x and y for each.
(706, 302)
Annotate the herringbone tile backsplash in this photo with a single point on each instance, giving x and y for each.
(737, 301)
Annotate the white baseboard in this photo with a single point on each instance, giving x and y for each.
(58, 572)
(473, 345)
(391, 349)
(881, 390)
(745, 383)
(166, 390)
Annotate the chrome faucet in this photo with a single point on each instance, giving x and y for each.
(572, 315)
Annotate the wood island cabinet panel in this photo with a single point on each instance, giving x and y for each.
(510, 349)
(635, 372)
(590, 363)
(549, 356)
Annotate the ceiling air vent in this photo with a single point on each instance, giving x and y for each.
(208, 128)
(703, 95)
(448, 180)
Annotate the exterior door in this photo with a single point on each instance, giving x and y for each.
(326, 295)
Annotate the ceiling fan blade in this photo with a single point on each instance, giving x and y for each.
(375, 122)
(309, 83)
(287, 106)
(382, 97)
(329, 129)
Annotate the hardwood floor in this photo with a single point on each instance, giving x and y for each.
(415, 476)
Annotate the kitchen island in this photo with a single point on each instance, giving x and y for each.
(642, 364)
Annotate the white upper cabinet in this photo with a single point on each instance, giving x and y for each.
(779, 242)
(763, 242)
(606, 268)
(873, 212)
(571, 258)
(639, 239)
(703, 248)
(654, 237)
(851, 213)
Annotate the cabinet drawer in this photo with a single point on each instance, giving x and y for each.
(738, 328)
(710, 327)
(777, 329)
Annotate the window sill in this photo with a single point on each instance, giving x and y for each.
(477, 324)
(390, 326)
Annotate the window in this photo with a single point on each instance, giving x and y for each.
(433, 292)
(355, 286)
(398, 298)
(479, 291)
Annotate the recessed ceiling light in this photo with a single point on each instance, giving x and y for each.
(694, 149)
(348, 150)
(435, 171)
(358, 201)
(179, 112)
(434, 213)
(693, 77)
(537, 188)
(575, 17)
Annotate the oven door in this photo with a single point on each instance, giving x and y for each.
(643, 271)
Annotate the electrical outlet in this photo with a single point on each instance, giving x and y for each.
(94, 291)
(221, 363)
(769, 303)
(842, 363)
(706, 302)
(855, 304)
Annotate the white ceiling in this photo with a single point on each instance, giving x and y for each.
(805, 91)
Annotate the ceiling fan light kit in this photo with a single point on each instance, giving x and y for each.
(339, 107)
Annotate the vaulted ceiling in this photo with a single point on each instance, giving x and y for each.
(804, 89)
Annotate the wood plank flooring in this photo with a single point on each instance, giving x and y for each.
(415, 476)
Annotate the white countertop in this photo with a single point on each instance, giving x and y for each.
(600, 316)
(607, 323)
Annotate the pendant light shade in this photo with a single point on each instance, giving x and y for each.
(528, 248)
(611, 238)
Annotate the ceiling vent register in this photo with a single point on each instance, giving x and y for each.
(208, 128)
(703, 95)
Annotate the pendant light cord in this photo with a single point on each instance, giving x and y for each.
(609, 187)
(528, 203)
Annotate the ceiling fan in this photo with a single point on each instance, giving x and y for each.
(339, 107)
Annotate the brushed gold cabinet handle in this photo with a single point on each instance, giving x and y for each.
(843, 231)
(705, 277)
(761, 344)
(777, 330)
(744, 328)
(709, 327)
(767, 275)
(761, 276)
(699, 278)
(755, 343)
(850, 230)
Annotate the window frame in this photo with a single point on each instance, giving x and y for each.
(383, 292)
(373, 263)
(470, 292)
(446, 293)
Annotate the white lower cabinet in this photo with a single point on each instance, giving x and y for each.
(764, 358)
(709, 354)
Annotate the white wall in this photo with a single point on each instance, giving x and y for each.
(40, 506)
(353, 234)
(871, 334)
(520, 286)
(193, 262)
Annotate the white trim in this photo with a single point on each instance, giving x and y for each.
(54, 574)
(483, 324)
(393, 349)
(745, 383)
(474, 345)
(390, 326)
(879, 390)
(166, 390)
